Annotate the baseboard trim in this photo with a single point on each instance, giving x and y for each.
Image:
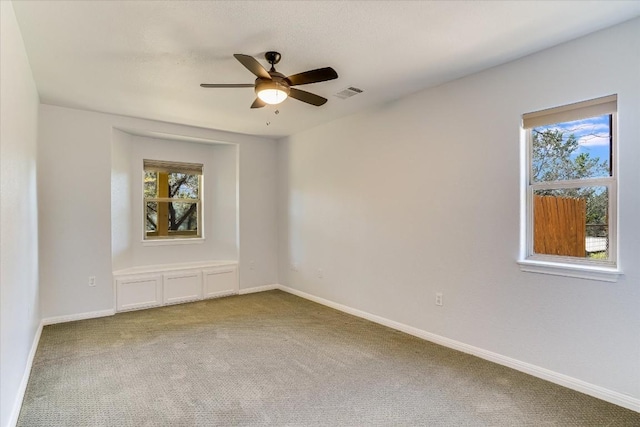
(602, 393)
(79, 316)
(17, 406)
(258, 289)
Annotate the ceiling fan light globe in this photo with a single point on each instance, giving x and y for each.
(272, 91)
(272, 96)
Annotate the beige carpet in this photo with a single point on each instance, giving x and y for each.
(276, 359)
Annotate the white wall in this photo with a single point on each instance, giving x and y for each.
(121, 200)
(422, 196)
(19, 298)
(220, 201)
(75, 176)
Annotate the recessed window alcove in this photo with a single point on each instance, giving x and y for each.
(135, 260)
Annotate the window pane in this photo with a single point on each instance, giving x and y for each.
(572, 150)
(152, 216)
(183, 186)
(150, 184)
(183, 216)
(571, 222)
(181, 219)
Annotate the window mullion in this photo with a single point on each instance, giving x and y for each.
(170, 200)
(573, 183)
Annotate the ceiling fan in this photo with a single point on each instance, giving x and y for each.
(273, 87)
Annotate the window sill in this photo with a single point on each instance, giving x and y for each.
(168, 242)
(589, 272)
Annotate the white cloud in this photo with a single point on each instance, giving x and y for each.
(593, 140)
(587, 127)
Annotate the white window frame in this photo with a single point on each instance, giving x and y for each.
(603, 270)
(172, 166)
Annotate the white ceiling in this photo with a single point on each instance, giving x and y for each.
(147, 58)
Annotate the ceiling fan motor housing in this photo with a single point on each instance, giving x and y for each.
(278, 81)
(276, 84)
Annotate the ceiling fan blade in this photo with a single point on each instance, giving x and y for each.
(308, 97)
(227, 85)
(258, 103)
(252, 65)
(313, 76)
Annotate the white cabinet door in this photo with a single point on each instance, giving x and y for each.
(137, 289)
(220, 281)
(138, 292)
(182, 286)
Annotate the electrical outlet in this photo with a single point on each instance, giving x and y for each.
(252, 265)
(439, 298)
(320, 273)
(92, 280)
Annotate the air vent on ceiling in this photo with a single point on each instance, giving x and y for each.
(348, 92)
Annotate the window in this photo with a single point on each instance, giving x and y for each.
(571, 184)
(172, 200)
